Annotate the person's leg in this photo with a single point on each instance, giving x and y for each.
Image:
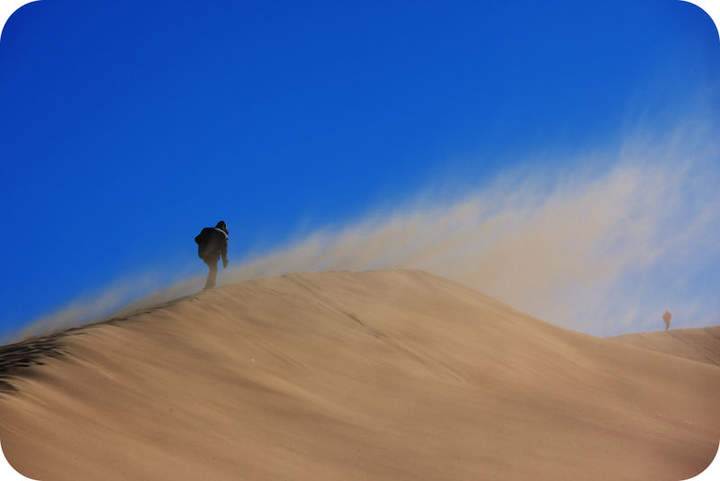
(212, 274)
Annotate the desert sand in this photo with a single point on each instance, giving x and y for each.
(701, 345)
(381, 375)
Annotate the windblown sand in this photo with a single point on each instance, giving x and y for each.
(387, 375)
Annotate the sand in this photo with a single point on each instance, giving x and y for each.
(701, 345)
(386, 375)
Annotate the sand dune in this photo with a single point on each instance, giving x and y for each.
(701, 344)
(387, 375)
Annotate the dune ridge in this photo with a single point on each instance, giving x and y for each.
(383, 375)
(699, 344)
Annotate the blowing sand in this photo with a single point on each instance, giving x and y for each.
(387, 375)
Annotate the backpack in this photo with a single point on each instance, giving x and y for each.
(202, 236)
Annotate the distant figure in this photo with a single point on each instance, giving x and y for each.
(666, 317)
(212, 244)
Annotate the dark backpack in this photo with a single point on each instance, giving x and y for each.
(203, 235)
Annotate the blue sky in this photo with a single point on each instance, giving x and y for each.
(128, 126)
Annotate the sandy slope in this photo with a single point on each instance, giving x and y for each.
(393, 375)
(697, 344)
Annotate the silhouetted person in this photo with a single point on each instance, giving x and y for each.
(212, 244)
(666, 317)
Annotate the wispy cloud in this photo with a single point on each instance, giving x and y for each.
(604, 252)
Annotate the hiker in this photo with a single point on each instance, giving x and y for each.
(212, 244)
(666, 317)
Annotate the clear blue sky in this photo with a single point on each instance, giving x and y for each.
(127, 126)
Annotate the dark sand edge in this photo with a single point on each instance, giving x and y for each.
(17, 358)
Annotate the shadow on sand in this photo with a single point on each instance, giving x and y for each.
(17, 357)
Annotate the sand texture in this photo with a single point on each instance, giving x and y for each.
(381, 375)
(701, 345)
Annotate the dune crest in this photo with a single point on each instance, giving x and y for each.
(383, 375)
(699, 344)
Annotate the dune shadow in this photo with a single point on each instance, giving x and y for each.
(24, 354)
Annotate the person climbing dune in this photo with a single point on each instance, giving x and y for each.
(212, 244)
